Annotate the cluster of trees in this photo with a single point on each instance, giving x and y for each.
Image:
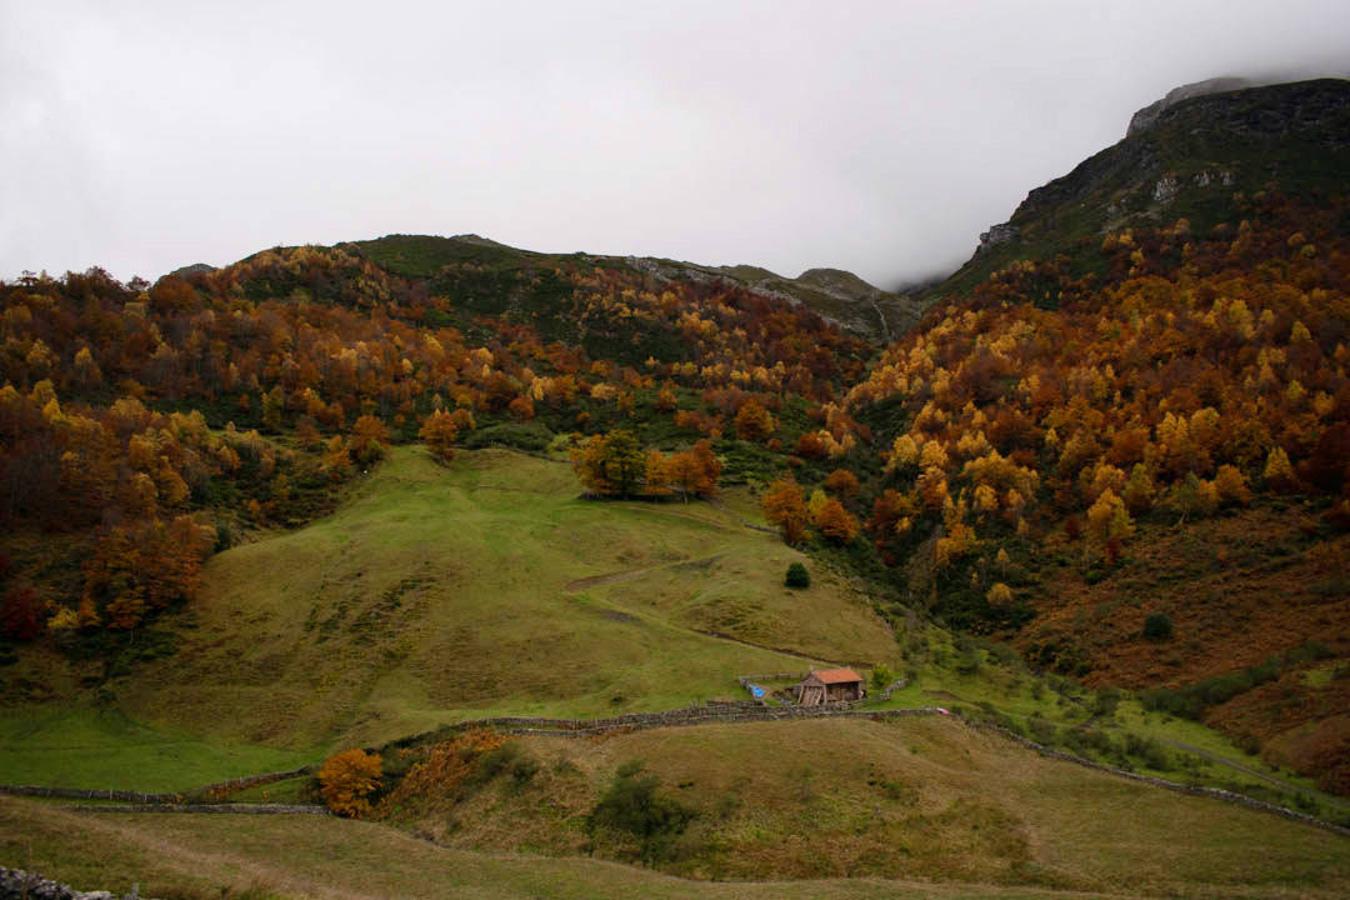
(315, 338)
(787, 506)
(723, 335)
(119, 402)
(130, 486)
(1203, 372)
(616, 465)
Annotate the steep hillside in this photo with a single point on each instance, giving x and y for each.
(1121, 440)
(1194, 156)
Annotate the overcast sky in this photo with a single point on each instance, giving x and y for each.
(878, 137)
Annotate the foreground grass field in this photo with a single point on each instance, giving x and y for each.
(927, 798)
(918, 807)
(207, 857)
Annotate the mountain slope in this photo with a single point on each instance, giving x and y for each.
(841, 297)
(1189, 162)
(1120, 441)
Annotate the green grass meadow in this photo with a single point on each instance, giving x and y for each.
(437, 593)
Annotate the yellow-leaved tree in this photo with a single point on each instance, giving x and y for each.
(1109, 524)
(347, 780)
(438, 433)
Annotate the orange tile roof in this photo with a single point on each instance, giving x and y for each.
(837, 676)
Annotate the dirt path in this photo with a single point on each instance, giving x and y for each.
(1247, 770)
(581, 584)
(796, 654)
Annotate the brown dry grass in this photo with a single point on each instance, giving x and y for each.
(196, 857)
(1239, 589)
(917, 799)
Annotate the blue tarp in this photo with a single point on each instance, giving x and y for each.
(756, 691)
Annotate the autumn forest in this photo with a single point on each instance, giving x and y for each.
(1119, 468)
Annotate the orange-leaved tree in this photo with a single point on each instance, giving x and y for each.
(347, 780)
(694, 471)
(785, 507)
(611, 465)
(439, 433)
(842, 483)
(369, 437)
(753, 422)
(835, 522)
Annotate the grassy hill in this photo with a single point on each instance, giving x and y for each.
(196, 857)
(924, 798)
(437, 593)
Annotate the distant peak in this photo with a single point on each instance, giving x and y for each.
(1145, 117)
(477, 239)
(194, 269)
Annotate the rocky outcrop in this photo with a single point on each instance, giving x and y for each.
(997, 234)
(1145, 117)
(16, 884)
(194, 269)
(1187, 156)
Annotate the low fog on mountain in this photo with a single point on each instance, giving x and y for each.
(876, 137)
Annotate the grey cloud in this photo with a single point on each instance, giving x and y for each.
(879, 137)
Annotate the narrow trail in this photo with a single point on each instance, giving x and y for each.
(1247, 770)
(796, 654)
(581, 584)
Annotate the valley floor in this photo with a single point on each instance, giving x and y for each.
(206, 856)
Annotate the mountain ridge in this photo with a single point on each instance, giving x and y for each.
(1187, 159)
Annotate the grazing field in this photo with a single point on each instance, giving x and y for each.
(926, 798)
(207, 857)
(845, 808)
(91, 748)
(483, 587)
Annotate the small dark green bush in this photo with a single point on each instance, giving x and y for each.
(1106, 702)
(495, 762)
(523, 771)
(882, 677)
(1158, 627)
(1148, 751)
(634, 805)
(530, 436)
(1042, 732)
(797, 576)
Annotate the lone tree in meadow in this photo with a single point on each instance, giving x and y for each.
(785, 506)
(612, 465)
(438, 433)
(369, 439)
(348, 779)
